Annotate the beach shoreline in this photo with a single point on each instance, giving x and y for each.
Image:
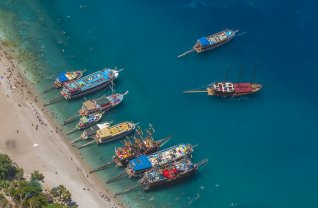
(35, 141)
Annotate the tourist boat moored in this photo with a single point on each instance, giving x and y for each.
(104, 103)
(112, 133)
(91, 131)
(88, 84)
(169, 174)
(136, 167)
(140, 146)
(87, 121)
(64, 77)
(67, 76)
(134, 149)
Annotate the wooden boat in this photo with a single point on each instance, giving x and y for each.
(88, 84)
(139, 147)
(67, 76)
(230, 89)
(85, 85)
(134, 149)
(211, 42)
(115, 132)
(112, 133)
(87, 121)
(91, 131)
(214, 41)
(136, 167)
(64, 77)
(104, 103)
(169, 174)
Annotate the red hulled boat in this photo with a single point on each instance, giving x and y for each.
(230, 89)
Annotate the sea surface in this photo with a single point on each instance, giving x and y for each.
(262, 149)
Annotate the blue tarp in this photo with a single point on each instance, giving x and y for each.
(140, 163)
(204, 41)
(61, 77)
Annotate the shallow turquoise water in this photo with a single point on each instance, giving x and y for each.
(262, 148)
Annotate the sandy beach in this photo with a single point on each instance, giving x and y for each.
(34, 141)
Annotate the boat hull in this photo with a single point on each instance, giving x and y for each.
(141, 173)
(88, 91)
(117, 137)
(211, 47)
(169, 182)
(239, 89)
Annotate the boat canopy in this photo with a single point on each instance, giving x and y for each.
(89, 105)
(204, 41)
(102, 100)
(140, 163)
(84, 119)
(62, 77)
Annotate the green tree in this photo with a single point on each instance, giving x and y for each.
(23, 190)
(36, 201)
(19, 174)
(55, 205)
(36, 175)
(7, 169)
(61, 194)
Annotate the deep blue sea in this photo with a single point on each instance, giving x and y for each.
(262, 149)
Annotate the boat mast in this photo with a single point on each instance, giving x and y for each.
(254, 72)
(112, 85)
(240, 76)
(227, 74)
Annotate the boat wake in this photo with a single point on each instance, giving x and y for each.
(242, 33)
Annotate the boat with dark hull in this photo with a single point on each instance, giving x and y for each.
(88, 84)
(86, 121)
(211, 42)
(136, 167)
(169, 174)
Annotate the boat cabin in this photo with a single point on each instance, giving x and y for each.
(139, 164)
